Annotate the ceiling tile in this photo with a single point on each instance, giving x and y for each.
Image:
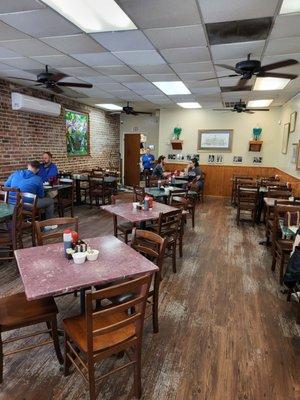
(206, 90)
(40, 23)
(180, 36)
(9, 33)
(131, 97)
(231, 81)
(234, 50)
(286, 26)
(197, 76)
(235, 96)
(283, 46)
(109, 87)
(23, 63)
(97, 59)
(11, 6)
(128, 78)
(192, 54)
(140, 57)
(5, 53)
(94, 92)
(8, 71)
(116, 70)
(79, 71)
(161, 77)
(221, 10)
(211, 104)
(201, 84)
(161, 14)
(122, 41)
(29, 47)
(98, 79)
(153, 69)
(139, 85)
(183, 97)
(74, 44)
(193, 67)
(58, 61)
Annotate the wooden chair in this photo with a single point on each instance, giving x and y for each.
(65, 200)
(247, 201)
(138, 193)
(186, 204)
(98, 190)
(151, 181)
(3, 196)
(9, 195)
(236, 180)
(16, 312)
(57, 235)
(281, 248)
(31, 214)
(123, 228)
(170, 227)
(99, 334)
(11, 238)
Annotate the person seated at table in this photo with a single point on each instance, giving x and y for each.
(195, 174)
(147, 160)
(158, 170)
(47, 168)
(28, 181)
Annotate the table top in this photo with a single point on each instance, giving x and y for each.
(49, 188)
(126, 211)
(83, 177)
(6, 210)
(45, 271)
(180, 182)
(155, 192)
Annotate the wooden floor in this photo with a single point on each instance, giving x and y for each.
(226, 332)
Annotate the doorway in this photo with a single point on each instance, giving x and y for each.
(132, 145)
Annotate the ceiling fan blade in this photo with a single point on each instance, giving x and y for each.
(218, 77)
(222, 109)
(143, 112)
(75, 84)
(226, 66)
(23, 79)
(257, 109)
(55, 89)
(58, 76)
(276, 75)
(241, 83)
(279, 64)
(248, 111)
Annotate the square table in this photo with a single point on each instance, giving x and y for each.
(158, 193)
(126, 211)
(85, 178)
(6, 211)
(45, 271)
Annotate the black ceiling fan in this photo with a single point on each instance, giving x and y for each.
(130, 110)
(249, 68)
(51, 81)
(240, 107)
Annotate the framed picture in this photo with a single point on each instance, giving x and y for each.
(285, 138)
(237, 159)
(211, 158)
(77, 133)
(293, 119)
(257, 160)
(298, 157)
(215, 139)
(294, 153)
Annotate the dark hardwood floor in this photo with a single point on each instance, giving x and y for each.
(226, 332)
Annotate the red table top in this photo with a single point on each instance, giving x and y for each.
(126, 211)
(45, 271)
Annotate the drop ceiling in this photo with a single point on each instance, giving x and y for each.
(174, 40)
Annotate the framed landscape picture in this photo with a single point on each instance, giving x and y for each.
(293, 119)
(77, 133)
(285, 138)
(215, 139)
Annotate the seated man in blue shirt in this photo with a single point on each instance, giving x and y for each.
(147, 160)
(28, 181)
(47, 168)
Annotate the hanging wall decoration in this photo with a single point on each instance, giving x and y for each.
(285, 138)
(77, 133)
(293, 120)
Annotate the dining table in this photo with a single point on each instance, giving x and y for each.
(160, 193)
(78, 178)
(6, 211)
(46, 272)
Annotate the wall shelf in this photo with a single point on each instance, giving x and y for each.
(255, 145)
(176, 144)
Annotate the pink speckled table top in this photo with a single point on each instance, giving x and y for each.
(45, 271)
(126, 211)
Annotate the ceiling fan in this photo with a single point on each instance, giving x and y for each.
(240, 107)
(130, 111)
(249, 68)
(51, 81)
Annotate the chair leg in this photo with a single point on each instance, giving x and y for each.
(126, 237)
(155, 303)
(180, 245)
(193, 218)
(1, 359)
(56, 341)
(281, 268)
(137, 373)
(92, 387)
(174, 257)
(67, 362)
(274, 259)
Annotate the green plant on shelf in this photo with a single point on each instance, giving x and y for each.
(177, 132)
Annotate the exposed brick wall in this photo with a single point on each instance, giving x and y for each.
(24, 136)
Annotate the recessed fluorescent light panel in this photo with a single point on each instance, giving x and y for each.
(172, 87)
(189, 105)
(259, 103)
(93, 15)
(110, 107)
(290, 6)
(270, 83)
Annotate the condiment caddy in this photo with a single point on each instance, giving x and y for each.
(77, 249)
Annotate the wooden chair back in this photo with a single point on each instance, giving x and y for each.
(247, 194)
(96, 182)
(9, 195)
(57, 235)
(132, 310)
(66, 195)
(30, 210)
(17, 223)
(277, 193)
(97, 172)
(151, 181)
(3, 196)
(279, 212)
(138, 193)
(169, 224)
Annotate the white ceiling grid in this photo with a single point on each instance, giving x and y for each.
(170, 44)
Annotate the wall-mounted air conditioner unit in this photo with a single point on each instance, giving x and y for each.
(22, 102)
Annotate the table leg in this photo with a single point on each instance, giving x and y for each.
(78, 193)
(82, 301)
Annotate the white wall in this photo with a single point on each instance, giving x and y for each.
(284, 160)
(242, 124)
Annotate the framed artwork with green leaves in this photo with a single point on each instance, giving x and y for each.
(77, 133)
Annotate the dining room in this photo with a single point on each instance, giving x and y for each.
(149, 200)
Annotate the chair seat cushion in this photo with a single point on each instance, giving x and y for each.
(76, 329)
(125, 226)
(16, 310)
